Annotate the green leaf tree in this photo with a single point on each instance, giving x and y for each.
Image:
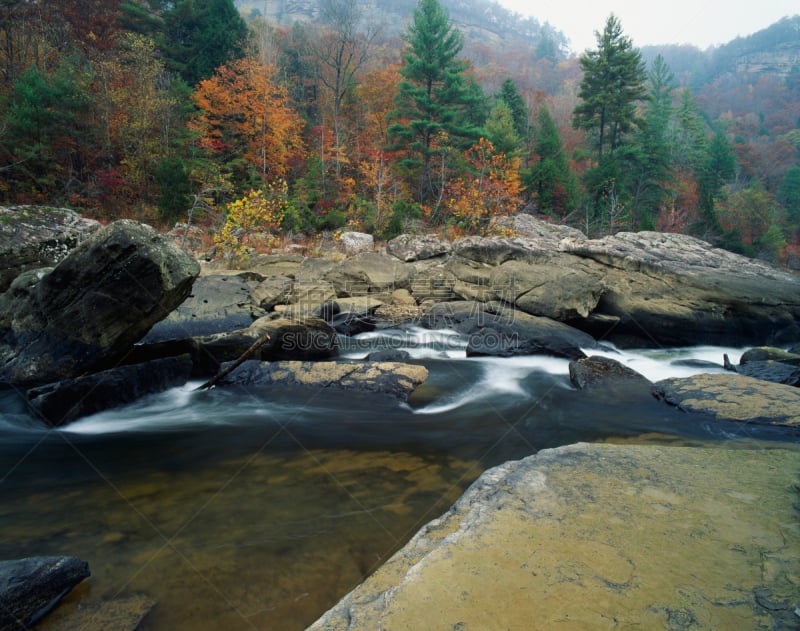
(500, 129)
(433, 97)
(718, 167)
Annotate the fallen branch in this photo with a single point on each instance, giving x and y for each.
(233, 366)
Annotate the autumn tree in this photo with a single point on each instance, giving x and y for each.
(341, 51)
(432, 96)
(246, 114)
(491, 188)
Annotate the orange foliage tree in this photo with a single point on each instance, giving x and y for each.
(246, 112)
(491, 189)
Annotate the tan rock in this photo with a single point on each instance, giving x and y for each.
(599, 536)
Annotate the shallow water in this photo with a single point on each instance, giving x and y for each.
(242, 509)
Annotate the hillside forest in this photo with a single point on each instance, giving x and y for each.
(260, 132)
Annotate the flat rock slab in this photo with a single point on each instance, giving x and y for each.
(390, 378)
(733, 397)
(600, 536)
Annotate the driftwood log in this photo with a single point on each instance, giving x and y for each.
(234, 365)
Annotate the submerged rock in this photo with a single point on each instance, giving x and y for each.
(87, 312)
(733, 397)
(394, 379)
(31, 587)
(598, 536)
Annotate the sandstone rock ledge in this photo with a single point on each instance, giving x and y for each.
(600, 536)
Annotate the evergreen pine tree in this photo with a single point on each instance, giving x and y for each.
(550, 181)
(433, 97)
(201, 35)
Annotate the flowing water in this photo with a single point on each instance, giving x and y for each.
(248, 509)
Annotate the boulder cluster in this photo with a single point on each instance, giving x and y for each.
(126, 312)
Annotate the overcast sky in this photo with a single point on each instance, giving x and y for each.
(703, 23)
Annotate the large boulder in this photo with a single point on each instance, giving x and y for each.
(672, 290)
(409, 248)
(397, 380)
(87, 312)
(38, 236)
(218, 303)
(29, 588)
(64, 401)
(733, 397)
(633, 289)
(600, 537)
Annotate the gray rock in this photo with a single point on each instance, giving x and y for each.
(597, 371)
(64, 401)
(733, 397)
(767, 353)
(368, 273)
(409, 248)
(37, 236)
(770, 370)
(386, 378)
(356, 242)
(295, 339)
(218, 303)
(30, 588)
(87, 312)
(274, 290)
(502, 332)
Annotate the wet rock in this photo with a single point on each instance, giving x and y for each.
(775, 371)
(87, 312)
(592, 536)
(328, 310)
(598, 371)
(389, 355)
(733, 397)
(32, 237)
(767, 353)
(31, 587)
(298, 339)
(501, 332)
(388, 378)
(409, 248)
(64, 401)
(218, 303)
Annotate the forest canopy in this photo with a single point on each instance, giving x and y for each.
(164, 110)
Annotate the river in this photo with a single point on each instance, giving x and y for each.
(240, 509)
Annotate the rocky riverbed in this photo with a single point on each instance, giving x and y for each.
(120, 312)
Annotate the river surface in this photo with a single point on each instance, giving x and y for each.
(248, 509)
